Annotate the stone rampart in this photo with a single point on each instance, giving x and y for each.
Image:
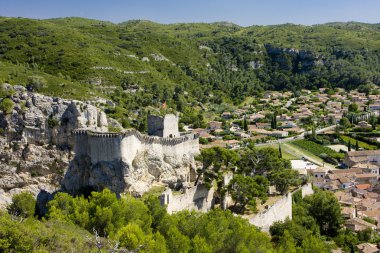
(197, 198)
(281, 210)
(144, 139)
(307, 189)
(125, 146)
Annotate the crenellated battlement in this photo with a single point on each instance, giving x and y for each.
(145, 139)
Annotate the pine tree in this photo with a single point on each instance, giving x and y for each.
(349, 145)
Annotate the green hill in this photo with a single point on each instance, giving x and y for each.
(140, 63)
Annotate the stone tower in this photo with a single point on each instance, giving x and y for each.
(166, 126)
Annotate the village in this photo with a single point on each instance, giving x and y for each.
(330, 136)
(285, 115)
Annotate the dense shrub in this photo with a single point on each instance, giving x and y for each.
(129, 221)
(36, 83)
(6, 105)
(23, 204)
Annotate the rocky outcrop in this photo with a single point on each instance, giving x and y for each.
(36, 140)
(306, 59)
(37, 150)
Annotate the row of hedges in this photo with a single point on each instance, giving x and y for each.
(362, 144)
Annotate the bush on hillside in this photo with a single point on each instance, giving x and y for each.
(6, 105)
(23, 204)
(36, 83)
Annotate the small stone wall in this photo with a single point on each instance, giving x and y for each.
(307, 189)
(197, 198)
(281, 210)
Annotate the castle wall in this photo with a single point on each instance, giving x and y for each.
(171, 126)
(130, 147)
(163, 127)
(104, 148)
(81, 144)
(281, 210)
(197, 198)
(125, 146)
(155, 125)
(307, 190)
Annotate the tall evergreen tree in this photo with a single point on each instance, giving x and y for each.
(274, 121)
(245, 124)
(313, 133)
(279, 151)
(349, 145)
(357, 146)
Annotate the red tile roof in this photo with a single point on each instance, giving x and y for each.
(363, 186)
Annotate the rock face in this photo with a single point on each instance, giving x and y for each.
(39, 151)
(36, 140)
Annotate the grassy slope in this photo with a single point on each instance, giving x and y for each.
(286, 153)
(56, 86)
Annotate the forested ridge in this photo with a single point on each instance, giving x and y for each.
(140, 63)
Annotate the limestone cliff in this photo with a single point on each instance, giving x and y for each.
(36, 140)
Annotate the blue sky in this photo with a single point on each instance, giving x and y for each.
(242, 12)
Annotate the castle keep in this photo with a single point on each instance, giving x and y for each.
(133, 161)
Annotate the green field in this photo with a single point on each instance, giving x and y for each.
(286, 154)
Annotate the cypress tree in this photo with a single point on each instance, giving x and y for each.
(349, 145)
(275, 120)
(273, 123)
(313, 133)
(357, 146)
(279, 151)
(245, 124)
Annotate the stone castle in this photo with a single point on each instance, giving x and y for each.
(131, 161)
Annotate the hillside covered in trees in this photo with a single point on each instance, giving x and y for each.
(137, 64)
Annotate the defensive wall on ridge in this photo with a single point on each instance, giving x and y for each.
(124, 146)
(281, 210)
